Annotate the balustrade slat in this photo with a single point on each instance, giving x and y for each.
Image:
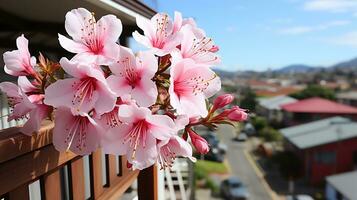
(20, 193)
(147, 182)
(96, 173)
(77, 179)
(113, 176)
(52, 186)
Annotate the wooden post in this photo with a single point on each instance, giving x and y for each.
(147, 184)
(52, 186)
(20, 193)
(77, 179)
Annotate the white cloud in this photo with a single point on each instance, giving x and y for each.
(347, 39)
(295, 30)
(331, 5)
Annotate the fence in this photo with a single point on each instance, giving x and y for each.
(25, 159)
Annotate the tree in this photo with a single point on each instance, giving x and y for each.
(315, 91)
(249, 99)
(270, 134)
(259, 123)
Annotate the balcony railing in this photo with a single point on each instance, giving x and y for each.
(25, 159)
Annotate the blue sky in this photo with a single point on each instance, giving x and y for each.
(261, 34)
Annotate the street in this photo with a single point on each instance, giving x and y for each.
(240, 165)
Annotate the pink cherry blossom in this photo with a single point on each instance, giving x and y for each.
(87, 90)
(198, 142)
(237, 114)
(19, 62)
(179, 22)
(222, 100)
(159, 34)
(23, 106)
(133, 76)
(139, 133)
(91, 40)
(197, 46)
(80, 134)
(174, 147)
(110, 120)
(17, 99)
(190, 85)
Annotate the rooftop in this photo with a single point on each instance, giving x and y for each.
(319, 105)
(345, 183)
(348, 95)
(320, 132)
(274, 103)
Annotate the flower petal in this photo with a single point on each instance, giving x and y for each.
(125, 59)
(177, 22)
(106, 100)
(142, 39)
(33, 124)
(193, 106)
(72, 46)
(144, 156)
(132, 113)
(109, 28)
(80, 143)
(25, 85)
(112, 142)
(145, 94)
(76, 21)
(147, 63)
(118, 85)
(162, 126)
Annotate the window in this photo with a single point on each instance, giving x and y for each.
(326, 157)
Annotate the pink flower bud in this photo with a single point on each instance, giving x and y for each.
(198, 142)
(214, 49)
(237, 114)
(222, 100)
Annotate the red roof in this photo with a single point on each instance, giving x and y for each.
(318, 105)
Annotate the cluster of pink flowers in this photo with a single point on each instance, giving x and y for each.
(142, 105)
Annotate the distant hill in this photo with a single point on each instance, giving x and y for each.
(347, 65)
(297, 68)
(350, 65)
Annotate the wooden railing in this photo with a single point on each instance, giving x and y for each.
(25, 159)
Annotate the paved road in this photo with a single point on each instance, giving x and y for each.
(240, 166)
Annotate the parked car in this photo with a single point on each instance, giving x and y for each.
(233, 189)
(299, 197)
(242, 136)
(249, 129)
(214, 142)
(214, 155)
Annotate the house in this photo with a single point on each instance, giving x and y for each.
(341, 186)
(266, 88)
(48, 174)
(325, 147)
(41, 21)
(315, 108)
(348, 98)
(270, 107)
(279, 91)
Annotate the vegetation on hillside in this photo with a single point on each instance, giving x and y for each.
(315, 91)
